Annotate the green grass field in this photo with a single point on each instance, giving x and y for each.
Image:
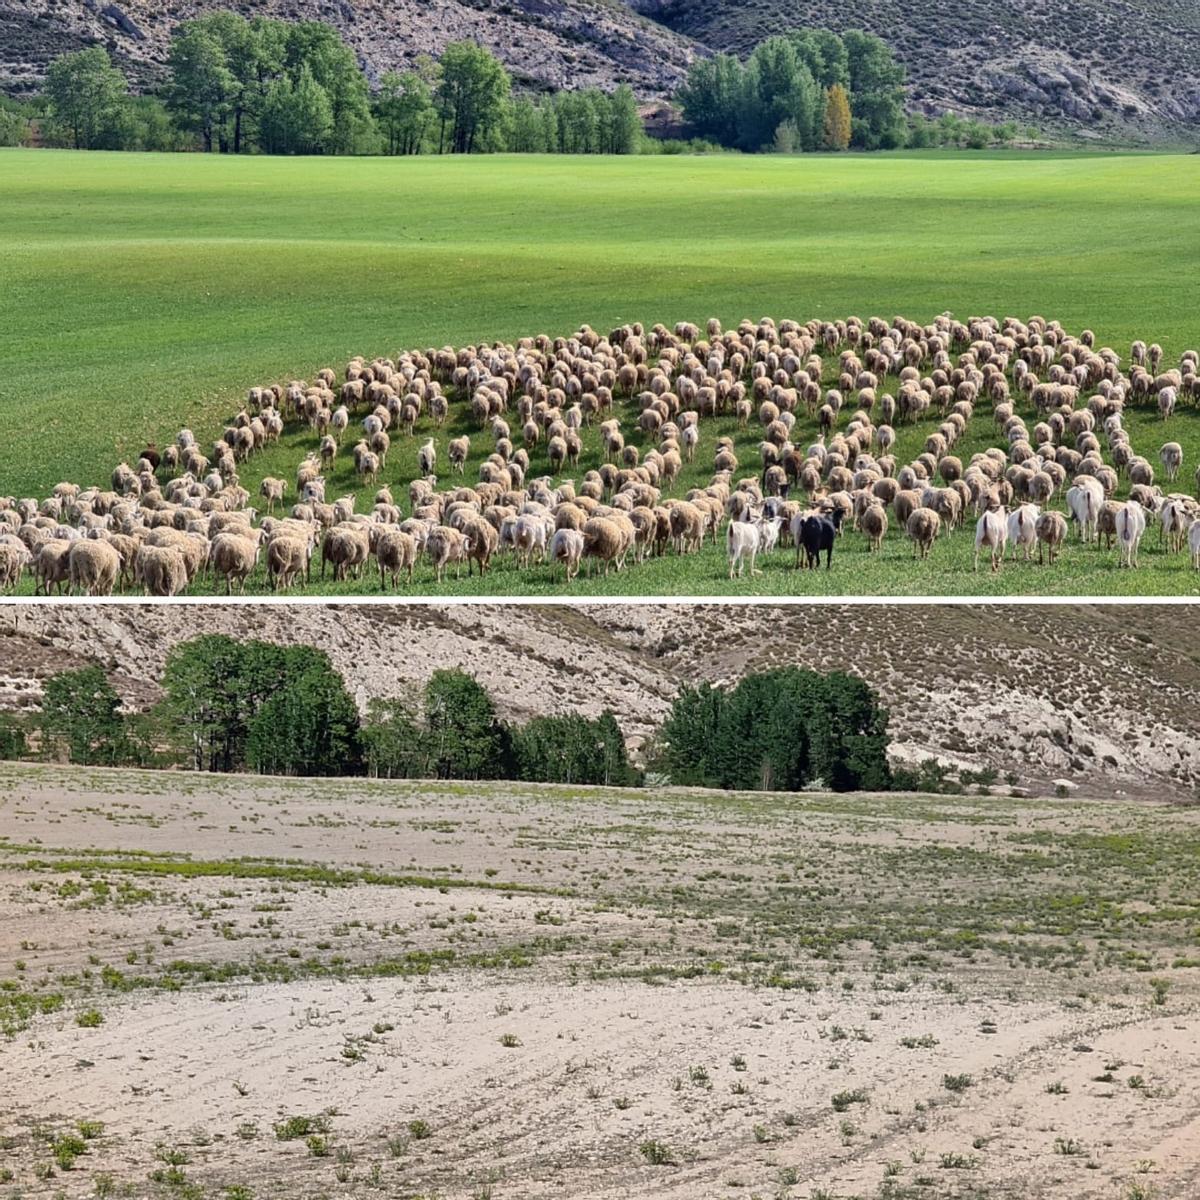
(142, 293)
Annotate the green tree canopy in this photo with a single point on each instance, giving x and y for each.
(779, 96)
(201, 88)
(778, 731)
(404, 108)
(572, 749)
(218, 688)
(465, 740)
(876, 92)
(394, 746)
(472, 96)
(87, 101)
(81, 712)
(297, 118)
(306, 726)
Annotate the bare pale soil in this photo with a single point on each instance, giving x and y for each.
(516, 991)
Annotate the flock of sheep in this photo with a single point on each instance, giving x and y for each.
(181, 513)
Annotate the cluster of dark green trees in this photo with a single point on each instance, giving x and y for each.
(780, 730)
(233, 705)
(811, 89)
(258, 85)
(238, 85)
(254, 706)
(781, 96)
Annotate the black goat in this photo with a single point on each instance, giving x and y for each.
(817, 533)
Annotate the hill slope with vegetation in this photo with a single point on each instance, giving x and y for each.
(1092, 68)
(546, 46)
(1106, 72)
(1102, 698)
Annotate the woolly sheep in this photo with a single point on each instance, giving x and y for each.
(395, 551)
(874, 523)
(288, 558)
(567, 547)
(161, 570)
(93, 567)
(1051, 530)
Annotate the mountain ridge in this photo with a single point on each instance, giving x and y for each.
(1090, 70)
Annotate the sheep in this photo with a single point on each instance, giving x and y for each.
(1051, 530)
(395, 551)
(1171, 457)
(51, 565)
(529, 537)
(1177, 516)
(288, 558)
(1022, 529)
(922, 527)
(874, 523)
(567, 547)
(427, 456)
(347, 547)
(1194, 544)
(234, 556)
(604, 539)
(687, 526)
(161, 570)
(273, 490)
(445, 545)
(1083, 503)
(93, 567)
(14, 557)
(1131, 525)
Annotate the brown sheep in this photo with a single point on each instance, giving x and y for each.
(874, 523)
(1051, 529)
(93, 567)
(922, 528)
(395, 551)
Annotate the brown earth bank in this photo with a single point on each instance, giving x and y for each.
(1093, 69)
(1074, 696)
(307, 988)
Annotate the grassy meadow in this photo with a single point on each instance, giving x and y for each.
(143, 293)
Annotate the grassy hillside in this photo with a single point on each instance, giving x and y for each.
(179, 281)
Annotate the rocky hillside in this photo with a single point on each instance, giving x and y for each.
(1103, 698)
(1105, 70)
(546, 43)
(1100, 69)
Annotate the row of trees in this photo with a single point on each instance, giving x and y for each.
(294, 87)
(780, 730)
(253, 706)
(809, 89)
(233, 705)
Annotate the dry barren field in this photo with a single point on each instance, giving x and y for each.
(234, 987)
